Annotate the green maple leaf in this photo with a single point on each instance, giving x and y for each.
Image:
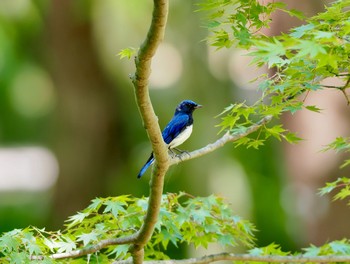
(340, 246)
(127, 53)
(115, 207)
(77, 218)
(242, 141)
(256, 143)
(311, 48)
(330, 186)
(95, 204)
(294, 107)
(345, 163)
(291, 138)
(200, 215)
(256, 252)
(298, 32)
(120, 251)
(65, 246)
(312, 251)
(226, 240)
(8, 241)
(275, 131)
(29, 240)
(313, 108)
(86, 238)
(329, 59)
(19, 258)
(343, 193)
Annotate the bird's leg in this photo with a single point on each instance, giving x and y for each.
(182, 151)
(173, 154)
(179, 151)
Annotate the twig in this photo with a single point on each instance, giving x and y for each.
(227, 137)
(341, 88)
(332, 87)
(342, 74)
(91, 249)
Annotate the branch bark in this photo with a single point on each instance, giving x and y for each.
(140, 80)
(227, 137)
(247, 257)
(89, 250)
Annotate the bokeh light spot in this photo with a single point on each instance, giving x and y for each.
(32, 92)
(166, 67)
(27, 168)
(14, 8)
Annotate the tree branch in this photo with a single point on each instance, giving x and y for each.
(89, 250)
(140, 80)
(227, 137)
(246, 258)
(341, 88)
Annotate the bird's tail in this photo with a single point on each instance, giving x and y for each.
(145, 167)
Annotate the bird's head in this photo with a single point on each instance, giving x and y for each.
(187, 106)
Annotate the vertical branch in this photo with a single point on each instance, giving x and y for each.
(140, 80)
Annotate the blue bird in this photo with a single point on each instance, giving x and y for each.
(178, 129)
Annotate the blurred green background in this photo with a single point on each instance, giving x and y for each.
(70, 129)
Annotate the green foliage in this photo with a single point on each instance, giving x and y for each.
(301, 60)
(238, 117)
(337, 247)
(183, 219)
(341, 184)
(340, 144)
(127, 53)
(235, 23)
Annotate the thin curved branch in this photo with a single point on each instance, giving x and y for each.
(140, 80)
(91, 249)
(248, 258)
(227, 137)
(341, 88)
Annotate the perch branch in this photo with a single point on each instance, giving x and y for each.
(227, 137)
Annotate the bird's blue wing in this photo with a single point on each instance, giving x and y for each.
(175, 127)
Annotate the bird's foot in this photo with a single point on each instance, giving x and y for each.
(182, 151)
(179, 154)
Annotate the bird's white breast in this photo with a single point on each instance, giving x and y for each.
(182, 137)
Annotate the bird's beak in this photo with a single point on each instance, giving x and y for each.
(198, 106)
